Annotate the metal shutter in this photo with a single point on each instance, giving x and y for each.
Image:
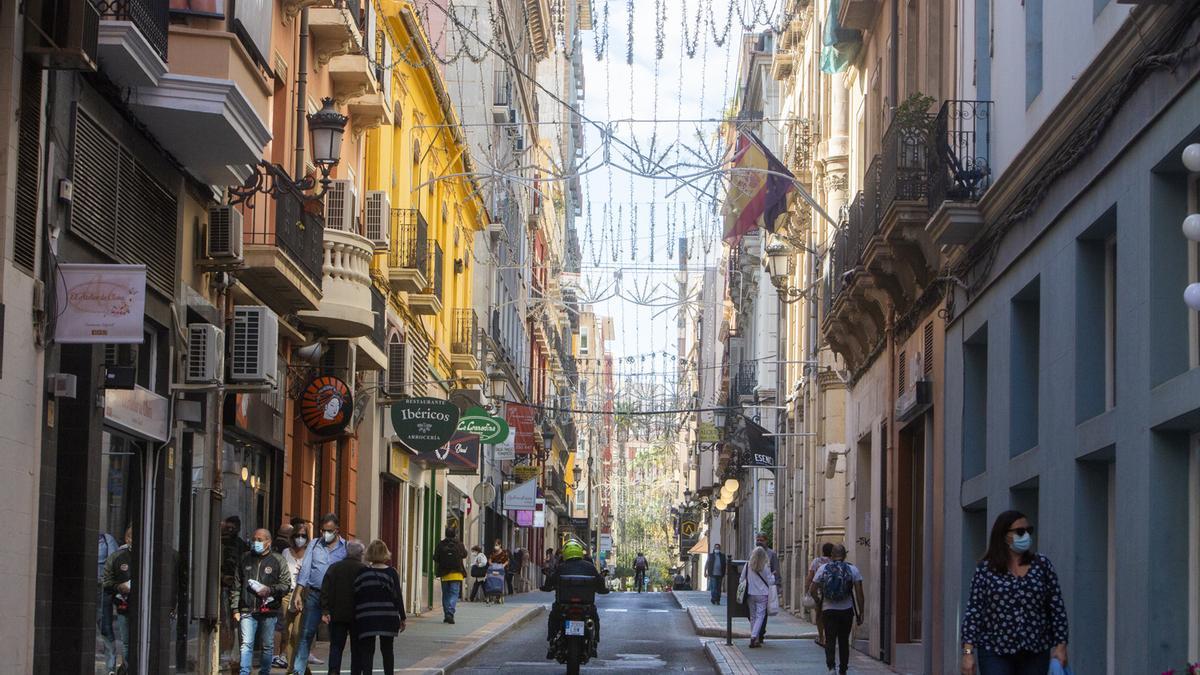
(29, 170)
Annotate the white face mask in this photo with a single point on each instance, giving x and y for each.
(300, 541)
(329, 537)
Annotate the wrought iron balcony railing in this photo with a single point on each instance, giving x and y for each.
(151, 17)
(410, 240)
(298, 230)
(435, 268)
(904, 162)
(960, 146)
(462, 339)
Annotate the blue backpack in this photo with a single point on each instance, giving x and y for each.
(837, 581)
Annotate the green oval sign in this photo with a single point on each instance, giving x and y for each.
(489, 429)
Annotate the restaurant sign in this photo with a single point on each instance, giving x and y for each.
(490, 429)
(424, 424)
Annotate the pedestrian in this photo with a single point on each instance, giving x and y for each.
(548, 563)
(293, 556)
(449, 556)
(378, 610)
(233, 547)
(760, 539)
(283, 538)
(106, 546)
(260, 583)
(760, 584)
(337, 605)
(1015, 621)
(812, 601)
(318, 557)
(118, 584)
(840, 586)
(516, 561)
(479, 563)
(714, 570)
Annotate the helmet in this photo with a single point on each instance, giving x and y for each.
(572, 550)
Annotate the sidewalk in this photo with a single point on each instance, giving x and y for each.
(709, 619)
(430, 646)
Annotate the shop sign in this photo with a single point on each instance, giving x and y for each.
(100, 303)
(526, 472)
(506, 449)
(138, 411)
(398, 465)
(524, 518)
(539, 513)
(521, 498)
(706, 432)
(490, 429)
(425, 424)
(520, 417)
(460, 455)
(689, 529)
(326, 405)
(605, 544)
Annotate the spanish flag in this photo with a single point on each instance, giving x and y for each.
(758, 187)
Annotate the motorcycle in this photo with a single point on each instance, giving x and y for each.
(578, 633)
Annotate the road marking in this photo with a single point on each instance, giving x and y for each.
(615, 610)
(664, 611)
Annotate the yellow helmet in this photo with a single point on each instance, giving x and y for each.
(572, 550)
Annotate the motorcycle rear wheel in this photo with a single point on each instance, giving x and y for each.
(573, 656)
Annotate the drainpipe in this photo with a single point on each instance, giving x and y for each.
(301, 92)
(894, 57)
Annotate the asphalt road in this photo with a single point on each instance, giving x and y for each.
(639, 633)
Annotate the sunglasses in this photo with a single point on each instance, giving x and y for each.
(1020, 531)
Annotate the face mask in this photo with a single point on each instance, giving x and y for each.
(329, 537)
(259, 547)
(300, 541)
(495, 548)
(1022, 543)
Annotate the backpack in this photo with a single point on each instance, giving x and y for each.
(640, 563)
(837, 581)
(447, 558)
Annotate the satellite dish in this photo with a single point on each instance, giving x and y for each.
(484, 494)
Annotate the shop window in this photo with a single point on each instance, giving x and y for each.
(120, 500)
(247, 478)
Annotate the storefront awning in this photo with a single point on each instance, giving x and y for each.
(701, 546)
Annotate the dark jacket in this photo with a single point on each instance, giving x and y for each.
(233, 548)
(458, 552)
(571, 568)
(269, 570)
(378, 602)
(337, 589)
(708, 566)
(118, 569)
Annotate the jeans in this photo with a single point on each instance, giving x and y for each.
(838, 624)
(252, 625)
(291, 636)
(1021, 663)
(758, 614)
(714, 588)
(450, 591)
(366, 655)
(122, 626)
(508, 580)
(338, 632)
(308, 628)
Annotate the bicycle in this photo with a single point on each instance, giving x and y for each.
(639, 578)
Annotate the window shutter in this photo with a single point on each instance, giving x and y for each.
(928, 357)
(29, 170)
(397, 374)
(903, 374)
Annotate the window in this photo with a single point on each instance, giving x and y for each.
(397, 372)
(583, 342)
(1095, 317)
(1024, 369)
(975, 403)
(983, 49)
(1033, 50)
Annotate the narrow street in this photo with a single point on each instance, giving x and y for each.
(639, 633)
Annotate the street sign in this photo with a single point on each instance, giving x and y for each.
(485, 494)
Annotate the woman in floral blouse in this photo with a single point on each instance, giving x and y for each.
(1015, 618)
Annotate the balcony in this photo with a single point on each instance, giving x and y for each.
(352, 78)
(555, 489)
(858, 14)
(959, 171)
(333, 30)
(345, 309)
(372, 348)
(133, 41)
(283, 240)
(210, 110)
(464, 346)
(408, 257)
(428, 301)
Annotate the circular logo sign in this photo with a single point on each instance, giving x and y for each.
(490, 429)
(424, 424)
(326, 405)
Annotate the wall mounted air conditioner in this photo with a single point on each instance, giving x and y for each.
(377, 213)
(254, 347)
(65, 34)
(340, 206)
(224, 240)
(205, 354)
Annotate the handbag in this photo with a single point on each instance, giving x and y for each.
(478, 571)
(772, 597)
(808, 602)
(741, 590)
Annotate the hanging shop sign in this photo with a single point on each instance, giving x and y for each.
(689, 529)
(760, 447)
(326, 405)
(425, 424)
(491, 430)
(100, 303)
(460, 454)
(706, 432)
(521, 417)
(539, 513)
(526, 472)
(506, 449)
(138, 411)
(521, 498)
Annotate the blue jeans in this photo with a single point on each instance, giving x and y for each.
(308, 628)
(714, 588)
(258, 624)
(1021, 663)
(450, 591)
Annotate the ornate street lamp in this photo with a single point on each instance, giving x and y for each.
(325, 128)
(778, 263)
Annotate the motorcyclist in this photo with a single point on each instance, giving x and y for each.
(573, 565)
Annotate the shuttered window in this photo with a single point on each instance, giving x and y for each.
(397, 374)
(929, 349)
(29, 170)
(120, 208)
(902, 376)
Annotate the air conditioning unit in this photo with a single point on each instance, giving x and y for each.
(377, 213)
(66, 34)
(205, 354)
(254, 352)
(519, 144)
(340, 205)
(224, 241)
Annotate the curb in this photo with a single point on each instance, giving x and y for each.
(727, 660)
(475, 643)
(719, 632)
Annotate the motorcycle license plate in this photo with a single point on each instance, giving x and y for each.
(574, 628)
